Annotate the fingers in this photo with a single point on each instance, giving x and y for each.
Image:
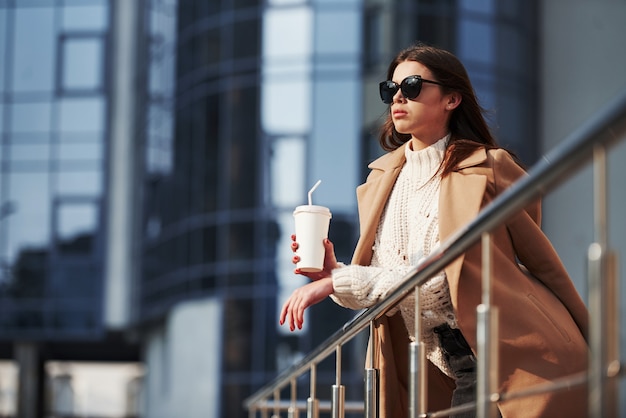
(286, 314)
(330, 259)
(293, 313)
(294, 247)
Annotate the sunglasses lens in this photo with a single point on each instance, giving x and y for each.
(411, 87)
(387, 90)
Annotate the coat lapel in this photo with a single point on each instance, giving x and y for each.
(372, 197)
(460, 200)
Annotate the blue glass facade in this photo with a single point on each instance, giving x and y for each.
(53, 153)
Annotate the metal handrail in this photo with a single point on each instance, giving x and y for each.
(605, 129)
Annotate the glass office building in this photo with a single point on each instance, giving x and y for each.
(52, 186)
(239, 107)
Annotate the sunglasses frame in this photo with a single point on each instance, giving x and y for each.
(384, 88)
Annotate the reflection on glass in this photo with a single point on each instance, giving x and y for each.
(285, 2)
(82, 64)
(76, 225)
(280, 114)
(287, 33)
(340, 34)
(3, 41)
(30, 152)
(92, 17)
(33, 68)
(29, 223)
(80, 151)
(480, 6)
(30, 117)
(160, 130)
(288, 172)
(246, 38)
(81, 115)
(79, 182)
(476, 40)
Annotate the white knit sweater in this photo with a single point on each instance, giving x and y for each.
(408, 232)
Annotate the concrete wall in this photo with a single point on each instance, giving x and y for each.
(183, 363)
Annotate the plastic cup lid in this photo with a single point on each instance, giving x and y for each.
(312, 209)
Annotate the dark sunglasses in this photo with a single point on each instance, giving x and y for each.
(410, 88)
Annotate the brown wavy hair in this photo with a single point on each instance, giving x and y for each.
(467, 124)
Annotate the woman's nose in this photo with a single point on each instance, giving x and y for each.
(398, 97)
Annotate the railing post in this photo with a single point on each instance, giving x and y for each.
(293, 409)
(339, 391)
(276, 404)
(371, 379)
(418, 402)
(603, 336)
(312, 404)
(486, 340)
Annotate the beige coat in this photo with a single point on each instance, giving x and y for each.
(543, 320)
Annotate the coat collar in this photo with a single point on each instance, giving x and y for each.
(373, 195)
(395, 159)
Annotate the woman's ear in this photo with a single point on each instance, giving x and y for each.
(454, 100)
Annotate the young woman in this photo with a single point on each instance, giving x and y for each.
(441, 168)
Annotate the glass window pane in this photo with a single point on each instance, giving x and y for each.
(82, 64)
(242, 156)
(285, 2)
(297, 22)
(207, 48)
(159, 150)
(30, 117)
(76, 225)
(287, 171)
(476, 41)
(29, 226)
(85, 17)
(3, 40)
(340, 34)
(30, 152)
(79, 182)
(161, 73)
(480, 6)
(280, 115)
(82, 115)
(246, 38)
(34, 49)
(80, 151)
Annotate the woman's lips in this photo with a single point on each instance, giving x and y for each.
(398, 113)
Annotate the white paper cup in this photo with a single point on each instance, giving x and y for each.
(312, 224)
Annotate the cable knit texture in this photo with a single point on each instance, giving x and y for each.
(408, 231)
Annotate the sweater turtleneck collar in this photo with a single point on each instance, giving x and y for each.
(424, 163)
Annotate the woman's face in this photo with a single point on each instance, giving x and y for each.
(426, 117)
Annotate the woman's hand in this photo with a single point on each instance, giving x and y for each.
(330, 260)
(303, 297)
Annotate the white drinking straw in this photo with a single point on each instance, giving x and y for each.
(312, 189)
